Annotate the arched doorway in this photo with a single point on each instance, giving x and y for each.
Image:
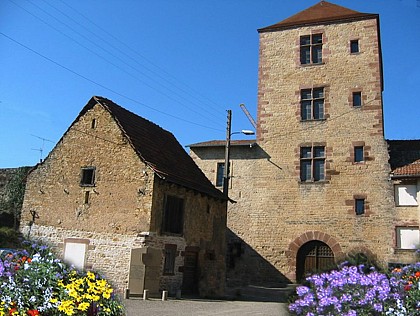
(313, 256)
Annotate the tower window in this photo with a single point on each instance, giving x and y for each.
(354, 46)
(358, 154)
(312, 163)
(359, 206)
(311, 49)
(357, 98)
(312, 104)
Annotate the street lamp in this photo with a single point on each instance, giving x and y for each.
(226, 169)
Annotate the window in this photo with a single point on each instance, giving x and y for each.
(358, 154)
(93, 125)
(359, 206)
(311, 49)
(408, 237)
(170, 255)
(357, 98)
(88, 176)
(173, 217)
(312, 104)
(354, 46)
(312, 163)
(220, 173)
(406, 195)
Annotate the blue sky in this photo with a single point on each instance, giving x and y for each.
(180, 64)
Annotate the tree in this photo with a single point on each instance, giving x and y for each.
(12, 198)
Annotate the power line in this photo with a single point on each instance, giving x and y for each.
(105, 87)
(102, 57)
(143, 57)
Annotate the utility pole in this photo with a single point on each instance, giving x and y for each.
(227, 149)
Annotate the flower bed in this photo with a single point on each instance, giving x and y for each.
(355, 290)
(34, 282)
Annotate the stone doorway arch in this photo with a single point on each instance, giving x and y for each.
(296, 244)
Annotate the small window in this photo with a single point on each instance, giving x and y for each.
(354, 46)
(220, 174)
(173, 216)
(88, 176)
(312, 163)
(312, 104)
(357, 99)
(311, 49)
(359, 206)
(408, 237)
(93, 123)
(406, 195)
(358, 154)
(170, 255)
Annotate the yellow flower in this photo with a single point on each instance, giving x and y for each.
(83, 306)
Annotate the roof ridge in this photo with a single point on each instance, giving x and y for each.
(321, 12)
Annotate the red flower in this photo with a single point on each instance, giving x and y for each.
(417, 274)
(33, 312)
(407, 287)
(12, 310)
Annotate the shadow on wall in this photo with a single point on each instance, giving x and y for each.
(245, 266)
(252, 278)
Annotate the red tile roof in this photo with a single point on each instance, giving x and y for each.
(320, 13)
(158, 148)
(404, 158)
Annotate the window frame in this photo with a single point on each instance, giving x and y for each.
(220, 177)
(359, 206)
(313, 162)
(312, 102)
(357, 150)
(354, 41)
(84, 176)
(173, 215)
(313, 48)
(357, 96)
(399, 243)
(414, 201)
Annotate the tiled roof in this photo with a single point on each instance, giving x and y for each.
(322, 12)
(158, 148)
(404, 157)
(222, 143)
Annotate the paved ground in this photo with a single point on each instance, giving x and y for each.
(199, 307)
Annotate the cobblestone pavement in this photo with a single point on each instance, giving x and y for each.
(202, 307)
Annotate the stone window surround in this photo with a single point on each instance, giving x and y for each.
(327, 166)
(366, 153)
(351, 41)
(326, 102)
(397, 236)
(325, 50)
(350, 97)
(352, 204)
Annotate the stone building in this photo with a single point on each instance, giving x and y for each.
(119, 194)
(314, 186)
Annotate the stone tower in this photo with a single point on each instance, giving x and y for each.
(313, 187)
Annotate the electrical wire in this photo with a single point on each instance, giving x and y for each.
(101, 57)
(105, 87)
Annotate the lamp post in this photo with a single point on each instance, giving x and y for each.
(226, 169)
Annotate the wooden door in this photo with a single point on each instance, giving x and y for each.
(190, 278)
(312, 257)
